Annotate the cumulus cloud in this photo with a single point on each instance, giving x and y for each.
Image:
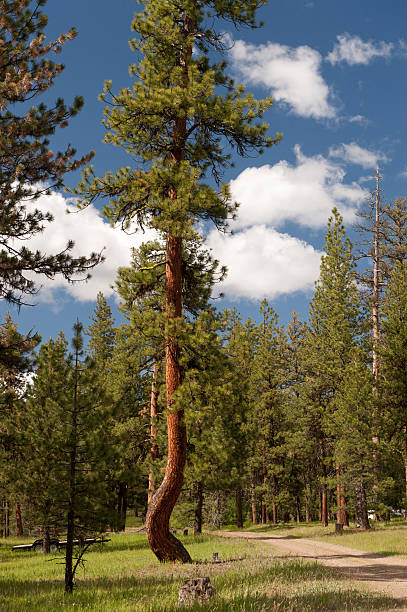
(291, 73)
(353, 50)
(90, 233)
(303, 193)
(355, 154)
(264, 263)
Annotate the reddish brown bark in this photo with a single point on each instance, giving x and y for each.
(154, 452)
(164, 544)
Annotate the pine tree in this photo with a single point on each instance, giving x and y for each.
(240, 345)
(28, 166)
(16, 362)
(333, 331)
(393, 358)
(40, 430)
(176, 123)
(87, 449)
(267, 414)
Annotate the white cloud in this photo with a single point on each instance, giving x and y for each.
(291, 73)
(358, 119)
(90, 233)
(354, 154)
(263, 263)
(353, 50)
(303, 193)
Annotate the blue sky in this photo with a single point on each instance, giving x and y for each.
(337, 73)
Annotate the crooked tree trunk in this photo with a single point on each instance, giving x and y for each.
(164, 544)
(198, 508)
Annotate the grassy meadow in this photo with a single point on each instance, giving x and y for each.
(124, 575)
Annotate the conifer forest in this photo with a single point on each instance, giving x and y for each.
(175, 409)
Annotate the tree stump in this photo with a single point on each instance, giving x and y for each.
(339, 528)
(195, 589)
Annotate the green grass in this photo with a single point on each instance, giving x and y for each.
(124, 575)
(384, 538)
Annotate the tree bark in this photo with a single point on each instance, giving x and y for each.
(239, 509)
(6, 518)
(324, 508)
(324, 491)
(154, 452)
(198, 508)
(375, 334)
(361, 515)
(254, 510)
(122, 505)
(46, 545)
(70, 526)
(164, 544)
(19, 519)
(275, 516)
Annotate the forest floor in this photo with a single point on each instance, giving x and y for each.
(387, 574)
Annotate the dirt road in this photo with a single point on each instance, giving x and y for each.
(384, 574)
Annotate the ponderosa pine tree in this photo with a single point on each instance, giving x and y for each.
(28, 166)
(141, 288)
(176, 123)
(333, 330)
